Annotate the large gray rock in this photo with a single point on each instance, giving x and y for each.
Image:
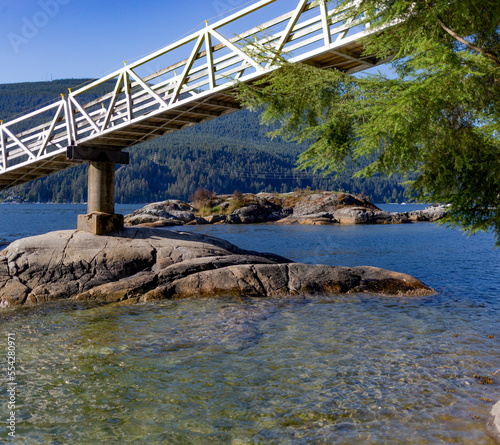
(256, 213)
(361, 215)
(340, 208)
(348, 215)
(493, 425)
(433, 213)
(318, 219)
(328, 202)
(165, 213)
(143, 264)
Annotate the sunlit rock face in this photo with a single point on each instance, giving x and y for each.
(143, 264)
(312, 208)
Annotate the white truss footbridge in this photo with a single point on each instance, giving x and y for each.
(179, 94)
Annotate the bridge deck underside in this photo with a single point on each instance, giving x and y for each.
(38, 169)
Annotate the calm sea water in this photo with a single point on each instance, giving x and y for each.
(22, 220)
(340, 370)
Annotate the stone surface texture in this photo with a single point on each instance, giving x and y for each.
(169, 213)
(493, 425)
(328, 202)
(433, 213)
(143, 264)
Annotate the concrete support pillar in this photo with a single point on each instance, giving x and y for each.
(101, 183)
(101, 218)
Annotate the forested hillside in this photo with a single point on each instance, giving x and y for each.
(227, 154)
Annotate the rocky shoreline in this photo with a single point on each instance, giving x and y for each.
(316, 208)
(141, 264)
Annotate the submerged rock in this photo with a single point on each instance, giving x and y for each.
(144, 264)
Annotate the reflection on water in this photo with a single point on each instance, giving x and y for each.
(346, 370)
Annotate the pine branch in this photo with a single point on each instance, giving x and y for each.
(469, 45)
(489, 54)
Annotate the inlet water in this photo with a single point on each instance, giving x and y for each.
(330, 369)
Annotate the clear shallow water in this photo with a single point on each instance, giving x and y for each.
(347, 370)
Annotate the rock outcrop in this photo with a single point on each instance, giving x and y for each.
(166, 213)
(141, 264)
(317, 208)
(432, 213)
(339, 208)
(493, 425)
(328, 202)
(349, 215)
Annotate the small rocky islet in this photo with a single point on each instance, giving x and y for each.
(315, 208)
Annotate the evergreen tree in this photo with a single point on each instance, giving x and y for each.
(437, 118)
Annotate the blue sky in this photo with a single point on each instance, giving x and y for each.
(57, 39)
(40, 39)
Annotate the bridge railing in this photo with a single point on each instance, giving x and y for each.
(40, 140)
(216, 62)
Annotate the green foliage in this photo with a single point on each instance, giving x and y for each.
(237, 202)
(203, 198)
(436, 122)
